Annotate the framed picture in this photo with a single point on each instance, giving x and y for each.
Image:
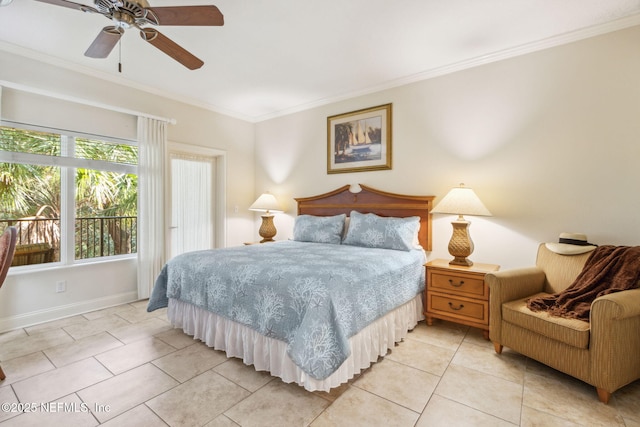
(359, 140)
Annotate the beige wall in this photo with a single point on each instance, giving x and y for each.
(550, 141)
(29, 297)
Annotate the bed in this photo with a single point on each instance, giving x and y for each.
(316, 309)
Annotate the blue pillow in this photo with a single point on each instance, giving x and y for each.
(319, 229)
(373, 231)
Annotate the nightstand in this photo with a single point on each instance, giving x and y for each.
(458, 294)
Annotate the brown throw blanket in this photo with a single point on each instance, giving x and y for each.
(609, 269)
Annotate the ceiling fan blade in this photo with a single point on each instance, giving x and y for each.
(65, 3)
(188, 15)
(171, 48)
(104, 43)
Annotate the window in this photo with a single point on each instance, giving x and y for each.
(71, 196)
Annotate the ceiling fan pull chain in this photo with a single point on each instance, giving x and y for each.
(120, 56)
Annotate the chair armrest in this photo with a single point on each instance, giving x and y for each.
(510, 285)
(615, 341)
(618, 305)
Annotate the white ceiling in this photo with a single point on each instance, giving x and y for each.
(279, 56)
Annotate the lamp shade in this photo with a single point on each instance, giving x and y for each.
(461, 201)
(266, 203)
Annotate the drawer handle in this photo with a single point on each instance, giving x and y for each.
(460, 307)
(456, 285)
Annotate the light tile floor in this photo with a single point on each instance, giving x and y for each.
(125, 367)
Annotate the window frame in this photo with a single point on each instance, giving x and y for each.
(68, 166)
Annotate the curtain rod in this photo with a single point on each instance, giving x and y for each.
(50, 94)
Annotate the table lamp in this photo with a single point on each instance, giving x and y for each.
(461, 201)
(266, 203)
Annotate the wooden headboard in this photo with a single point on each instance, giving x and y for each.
(370, 200)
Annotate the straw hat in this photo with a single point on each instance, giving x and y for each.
(571, 244)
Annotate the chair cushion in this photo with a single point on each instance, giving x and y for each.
(569, 331)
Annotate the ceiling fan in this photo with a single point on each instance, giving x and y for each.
(138, 13)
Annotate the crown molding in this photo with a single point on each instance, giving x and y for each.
(91, 72)
(520, 50)
(515, 51)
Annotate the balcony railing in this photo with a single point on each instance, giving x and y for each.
(39, 238)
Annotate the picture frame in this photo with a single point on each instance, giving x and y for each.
(360, 140)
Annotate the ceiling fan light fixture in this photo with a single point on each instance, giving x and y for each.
(123, 20)
(5, 2)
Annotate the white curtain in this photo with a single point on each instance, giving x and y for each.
(191, 204)
(152, 152)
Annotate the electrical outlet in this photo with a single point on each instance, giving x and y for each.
(61, 286)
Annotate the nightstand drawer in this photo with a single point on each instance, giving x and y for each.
(458, 294)
(457, 284)
(459, 307)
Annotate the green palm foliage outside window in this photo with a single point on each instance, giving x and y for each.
(105, 187)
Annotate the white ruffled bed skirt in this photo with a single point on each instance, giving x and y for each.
(269, 354)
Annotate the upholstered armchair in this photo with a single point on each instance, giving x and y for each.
(604, 352)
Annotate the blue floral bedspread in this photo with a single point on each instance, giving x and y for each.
(312, 296)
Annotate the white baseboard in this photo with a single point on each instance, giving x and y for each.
(55, 313)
